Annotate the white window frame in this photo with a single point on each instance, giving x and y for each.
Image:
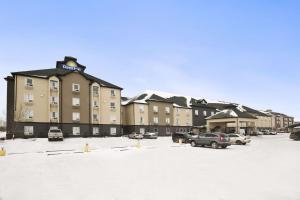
(76, 130)
(196, 112)
(73, 87)
(155, 120)
(95, 104)
(113, 131)
(96, 92)
(204, 113)
(168, 121)
(76, 116)
(26, 82)
(55, 116)
(168, 110)
(96, 131)
(112, 93)
(155, 109)
(75, 101)
(28, 114)
(28, 130)
(28, 98)
(54, 84)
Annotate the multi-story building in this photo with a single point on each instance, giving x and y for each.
(280, 121)
(148, 112)
(65, 97)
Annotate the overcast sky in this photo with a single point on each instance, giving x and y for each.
(241, 51)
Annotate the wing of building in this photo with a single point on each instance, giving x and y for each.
(65, 97)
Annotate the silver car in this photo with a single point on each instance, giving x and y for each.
(55, 134)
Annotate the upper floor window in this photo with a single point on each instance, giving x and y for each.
(112, 93)
(95, 90)
(75, 87)
(29, 82)
(95, 117)
(155, 120)
(204, 113)
(54, 85)
(167, 110)
(167, 120)
(54, 100)
(76, 116)
(141, 120)
(155, 109)
(96, 104)
(75, 102)
(28, 98)
(28, 114)
(142, 108)
(112, 105)
(54, 115)
(196, 112)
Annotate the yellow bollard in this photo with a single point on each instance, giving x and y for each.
(86, 148)
(138, 144)
(180, 141)
(2, 152)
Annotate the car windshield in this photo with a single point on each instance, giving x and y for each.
(55, 130)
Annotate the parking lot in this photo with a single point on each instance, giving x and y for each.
(120, 168)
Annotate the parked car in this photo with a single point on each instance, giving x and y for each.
(55, 134)
(151, 135)
(215, 140)
(185, 137)
(2, 135)
(238, 139)
(135, 135)
(295, 135)
(272, 133)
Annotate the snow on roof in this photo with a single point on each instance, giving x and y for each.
(240, 108)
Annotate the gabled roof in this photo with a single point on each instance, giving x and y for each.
(144, 98)
(232, 112)
(179, 101)
(46, 73)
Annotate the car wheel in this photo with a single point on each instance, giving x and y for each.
(238, 142)
(193, 143)
(244, 143)
(224, 146)
(214, 145)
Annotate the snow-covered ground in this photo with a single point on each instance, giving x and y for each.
(115, 169)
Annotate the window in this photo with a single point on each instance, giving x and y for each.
(76, 116)
(54, 100)
(28, 98)
(76, 130)
(95, 104)
(95, 90)
(196, 112)
(204, 113)
(95, 117)
(95, 130)
(142, 130)
(54, 115)
(167, 120)
(113, 131)
(75, 101)
(212, 112)
(29, 82)
(76, 87)
(112, 105)
(167, 110)
(112, 93)
(28, 114)
(155, 120)
(28, 130)
(141, 120)
(53, 85)
(141, 107)
(155, 109)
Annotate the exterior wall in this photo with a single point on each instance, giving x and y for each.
(232, 123)
(200, 119)
(10, 107)
(263, 122)
(40, 99)
(95, 109)
(129, 115)
(162, 115)
(138, 114)
(66, 99)
(182, 116)
(110, 116)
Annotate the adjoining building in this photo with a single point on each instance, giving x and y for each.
(148, 112)
(64, 97)
(280, 121)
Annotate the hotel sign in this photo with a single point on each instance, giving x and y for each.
(71, 68)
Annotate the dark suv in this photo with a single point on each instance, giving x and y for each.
(185, 137)
(215, 140)
(295, 135)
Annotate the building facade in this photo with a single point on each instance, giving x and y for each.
(63, 97)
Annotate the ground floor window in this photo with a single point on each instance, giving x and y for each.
(113, 131)
(142, 130)
(168, 131)
(53, 127)
(95, 130)
(76, 130)
(155, 130)
(28, 130)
